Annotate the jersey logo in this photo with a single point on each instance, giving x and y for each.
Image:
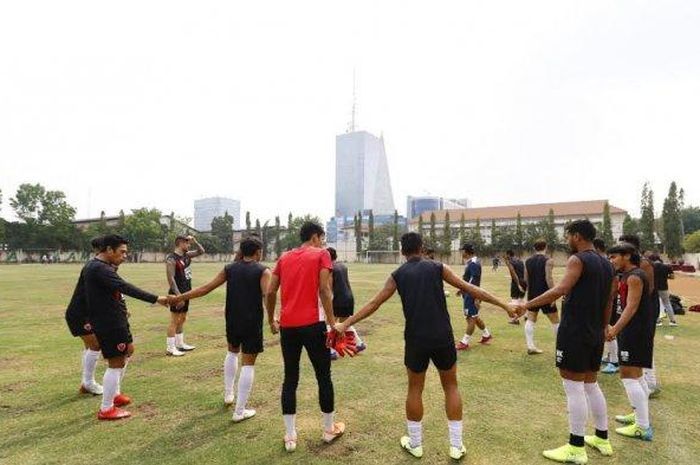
(121, 347)
(87, 327)
(624, 355)
(560, 356)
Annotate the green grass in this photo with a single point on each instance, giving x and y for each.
(514, 405)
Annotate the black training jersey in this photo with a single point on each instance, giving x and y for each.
(584, 306)
(77, 308)
(643, 320)
(342, 293)
(420, 286)
(103, 295)
(661, 274)
(244, 305)
(519, 269)
(536, 267)
(183, 272)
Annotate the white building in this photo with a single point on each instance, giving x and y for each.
(205, 210)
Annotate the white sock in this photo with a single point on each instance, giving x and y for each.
(612, 354)
(639, 401)
(650, 376)
(110, 384)
(576, 404)
(170, 343)
(465, 339)
(179, 339)
(486, 332)
(455, 430)
(230, 367)
(645, 386)
(358, 339)
(290, 425)
(415, 432)
(90, 358)
(122, 373)
(597, 405)
(328, 421)
(530, 334)
(555, 328)
(245, 384)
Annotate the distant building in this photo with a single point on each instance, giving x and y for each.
(362, 179)
(113, 222)
(338, 228)
(205, 210)
(564, 212)
(416, 205)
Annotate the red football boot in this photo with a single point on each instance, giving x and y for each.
(120, 400)
(462, 346)
(115, 413)
(486, 339)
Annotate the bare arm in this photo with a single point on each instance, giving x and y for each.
(218, 280)
(634, 296)
(548, 275)
(170, 274)
(513, 274)
(476, 292)
(574, 268)
(195, 253)
(271, 302)
(326, 295)
(371, 306)
(648, 269)
(611, 298)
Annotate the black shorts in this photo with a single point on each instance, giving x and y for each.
(614, 317)
(343, 312)
(183, 309)
(547, 309)
(635, 349)
(578, 356)
(250, 342)
(114, 342)
(516, 294)
(417, 358)
(79, 326)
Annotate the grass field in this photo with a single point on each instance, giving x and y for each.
(514, 403)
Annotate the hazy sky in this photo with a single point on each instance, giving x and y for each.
(157, 103)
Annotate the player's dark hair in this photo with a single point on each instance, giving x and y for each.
(250, 245)
(310, 228)
(180, 238)
(540, 245)
(655, 257)
(583, 228)
(469, 248)
(96, 243)
(333, 253)
(112, 241)
(411, 243)
(631, 239)
(510, 253)
(599, 244)
(625, 248)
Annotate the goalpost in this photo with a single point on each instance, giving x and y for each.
(382, 256)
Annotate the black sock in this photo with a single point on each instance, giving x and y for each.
(601, 434)
(576, 440)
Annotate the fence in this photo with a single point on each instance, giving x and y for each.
(74, 256)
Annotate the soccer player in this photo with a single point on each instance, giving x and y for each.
(635, 333)
(538, 275)
(428, 336)
(648, 269)
(610, 351)
(246, 283)
(80, 326)
(516, 268)
(472, 275)
(662, 273)
(343, 298)
(179, 274)
(109, 319)
(588, 285)
(304, 274)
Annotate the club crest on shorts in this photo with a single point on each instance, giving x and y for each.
(560, 356)
(87, 327)
(121, 347)
(624, 355)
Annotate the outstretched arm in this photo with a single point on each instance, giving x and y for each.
(476, 292)
(218, 280)
(370, 307)
(513, 275)
(271, 302)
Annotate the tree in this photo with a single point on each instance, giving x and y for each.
(475, 236)
(692, 242)
(420, 224)
(247, 223)
(98, 229)
(291, 238)
(395, 232)
(646, 222)
(222, 229)
(143, 229)
(551, 232)
(34, 204)
(494, 234)
(671, 220)
(630, 225)
(358, 232)
(211, 244)
(447, 236)
(607, 225)
(519, 238)
(278, 241)
(691, 219)
(462, 229)
(370, 232)
(433, 232)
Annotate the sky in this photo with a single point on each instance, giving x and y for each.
(157, 103)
